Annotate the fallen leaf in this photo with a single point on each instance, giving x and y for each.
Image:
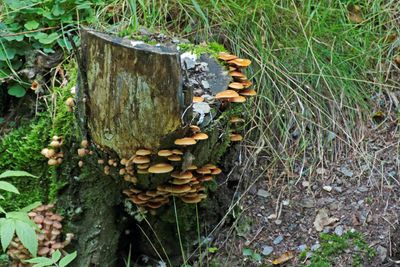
(355, 18)
(323, 220)
(284, 258)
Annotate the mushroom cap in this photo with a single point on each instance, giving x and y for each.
(246, 84)
(137, 201)
(85, 143)
(240, 62)
(183, 175)
(142, 171)
(203, 170)
(47, 221)
(160, 168)
(48, 152)
(236, 119)
(141, 160)
(174, 158)
(43, 251)
(165, 153)
(216, 171)
(100, 161)
(143, 196)
(235, 137)
(56, 217)
(238, 74)
(194, 128)
(226, 94)
(200, 136)
(197, 99)
(57, 225)
(248, 92)
(38, 219)
(34, 85)
(143, 152)
(238, 99)
(55, 232)
(70, 102)
(143, 166)
(236, 85)
(57, 245)
(177, 152)
(205, 178)
(55, 144)
(192, 167)
(185, 141)
(154, 205)
(180, 181)
(82, 152)
(135, 190)
(210, 166)
(151, 193)
(52, 162)
(225, 56)
(177, 188)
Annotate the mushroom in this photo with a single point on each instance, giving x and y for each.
(35, 86)
(82, 152)
(52, 162)
(180, 181)
(194, 128)
(246, 84)
(48, 153)
(197, 99)
(216, 171)
(100, 161)
(143, 166)
(43, 251)
(141, 159)
(70, 102)
(185, 141)
(238, 99)
(191, 200)
(238, 75)
(177, 152)
(160, 168)
(235, 137)
(142, 171)
(226, 94)
(174, 158)
(192, 167)
(80, 163)
(240, 62)
(236, 85)
(225, 56)
(165, 153)
(183, 175)
(236, 119)
(85, 143)
(143, 152)
(248, 92)
(200, 136)
(55, 144)
(203, 171)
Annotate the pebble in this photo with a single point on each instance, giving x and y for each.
(338, 189)
(267, 250)
(339, 230)
(285, 202)
(345, 171)
(302, 247)
(263, 193)
(278, 222)
(362, 189)
(360, 202)
(315, 247)
(326, 230)
(382, 252)
(262, 207)
(305, 183)
(339, 182)
(205, 84)
(315, 187)
(278, 240)
(272, 216)
(327, 188)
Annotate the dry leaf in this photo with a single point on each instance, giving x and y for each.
(355, 18)
(284, 258)
(323, 220)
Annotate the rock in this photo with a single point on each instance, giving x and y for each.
(362, 189)
(345, 171)
(272, 216)
(315, 247)
(382, 252)
(321, 171)
(267, 250)
(263, 193)
(278, 240)
(339, 230)
(189, 59)
(327, 188)
(302, 247)
(314, 187)
(278, 222)
(339, 182)
(217, 77)
(305, 183)
(285, 202)
(205, 84)
(326, 230)
(338, 189)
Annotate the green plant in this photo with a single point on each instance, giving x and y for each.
(333, 246)
(53, 261)
(251, 254)
(17, 222)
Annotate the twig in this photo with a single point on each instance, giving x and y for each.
(20, 33)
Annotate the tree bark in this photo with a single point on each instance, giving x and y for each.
(131, 96)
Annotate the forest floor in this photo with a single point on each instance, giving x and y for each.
(284, 212)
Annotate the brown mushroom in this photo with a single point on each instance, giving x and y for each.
(165, 153)
(235, 137)
(160, 168)
(197, 99)
(200, 136)
(226, 94)
(186, 141)
(238, 99)
(143, 152)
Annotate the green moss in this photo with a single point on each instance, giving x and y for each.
(212, 48)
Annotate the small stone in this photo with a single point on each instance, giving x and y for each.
(338, 189)
(382, 252)
(302, 247)
(326, 230)
(321, 171)
(315, 187)
(315, 247)
(345, 171)
(360, 202)
(278, 222)
(278, 240)
(362, 189)
(267, 250)
(305, 183)
(205, 84)
(263, 193)
(339, 230)
(285, 202)
(189, 59)
(339, 182)
(327, 188)
(262, 207)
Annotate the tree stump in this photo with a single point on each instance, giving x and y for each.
(130, 96)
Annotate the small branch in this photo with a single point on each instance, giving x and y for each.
(20, 33)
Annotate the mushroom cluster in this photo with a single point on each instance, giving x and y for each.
(50, 153)
(183, 184)
(83, 151)
(49, 240)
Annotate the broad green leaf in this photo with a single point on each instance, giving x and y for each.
(256, 256)
(27, 236)
(30, 207)
(23, 217)
(41, 261)
(57, 10)
(67, 259)
(2, 210)
(7, 229)
(247, 252)
(16, 90)
(16, 174)
(6, 53)
(31, 25)
(49, 39)
(8, 187)
(56, 256)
